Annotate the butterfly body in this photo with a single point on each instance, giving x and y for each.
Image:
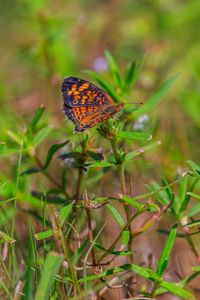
(85, 104)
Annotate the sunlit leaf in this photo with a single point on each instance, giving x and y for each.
(135, 136)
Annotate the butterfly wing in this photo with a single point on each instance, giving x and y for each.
(79, 92)
(85, 104)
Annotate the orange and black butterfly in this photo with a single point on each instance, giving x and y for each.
(85, 104)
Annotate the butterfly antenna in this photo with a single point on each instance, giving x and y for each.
(139, 103)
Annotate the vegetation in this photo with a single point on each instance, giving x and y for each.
(113, 212)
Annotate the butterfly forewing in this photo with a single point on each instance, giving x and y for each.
(85, 104)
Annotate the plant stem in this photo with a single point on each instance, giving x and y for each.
(126, 226)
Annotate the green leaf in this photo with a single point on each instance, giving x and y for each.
(41, 135)
(37, 116)
(132, 202)
(116, 215)
(194, 210)
(132, 72)
(104, 85)
(142, 150)
(122, 253)
(142, 271)
(14, 136)
(156, 98)
(134, 136)
(44, 234)
(30, 271)
(195, 167)
(182, 189)
(4, 237)
(64, 213)
(125, 237)
(100, 164)
(176, 290)
(52, 151)
(114, 68)
(51, 267)
(165, 256)
(193, 195)
(189, 194)
(160, 194)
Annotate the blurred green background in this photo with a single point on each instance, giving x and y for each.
(43, 41)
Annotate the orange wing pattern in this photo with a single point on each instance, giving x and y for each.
(85, 104)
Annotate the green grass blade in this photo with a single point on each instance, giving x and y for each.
(51, 267)
(156, 98)
(30, 270)
(165, 256)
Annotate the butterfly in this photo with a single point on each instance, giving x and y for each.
(85, 104)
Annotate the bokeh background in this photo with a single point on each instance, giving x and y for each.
(43, 41)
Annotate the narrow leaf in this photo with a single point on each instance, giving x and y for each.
(142, 150)
(165, 256)
(41, 135)
(114, 68)
(44, 234)
(134, 136)
(194, 210)
(125, 237)
(52, 151)
(195, 167)
(116, 215)
(38, 114)
(51, 267)
(156, 98)
(132, 202)
(64, 213)
(176, 290)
